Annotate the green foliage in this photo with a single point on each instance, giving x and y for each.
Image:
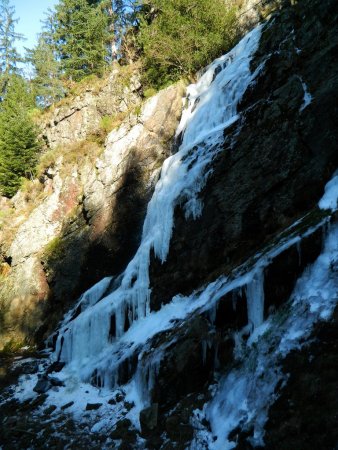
(147, 93)
(18, 136)
(55, 249)
(178, 37)
(106, 123)
(82, 37)
(9, 57)
(46, 82)
(3, 312)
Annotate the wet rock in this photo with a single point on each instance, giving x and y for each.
(55, 367)
(129, 405)
(154, 442)
(124, 430)
(67, 405)
(43, 385)
(29, 367)
(36, 402)
(178, 431)
(148, 418)
(93, 406)
(125, 446)
(274, 166)
(183, 369)
(119, 397)
(48, 411)
(55, 381)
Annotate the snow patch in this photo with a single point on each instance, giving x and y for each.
(330, 197)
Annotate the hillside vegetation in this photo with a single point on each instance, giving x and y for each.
(80, 42)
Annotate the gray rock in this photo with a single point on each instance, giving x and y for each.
(83, 218)
(93, 406)
(148, 418)
(55, 381)
(67, 405)
(75, 121)
(42, 386)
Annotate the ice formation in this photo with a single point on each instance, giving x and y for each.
(245, 394)
(105, 331)
(99, 336)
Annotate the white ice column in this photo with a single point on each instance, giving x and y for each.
(255, 299)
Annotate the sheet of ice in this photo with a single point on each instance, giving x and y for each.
(245, 394)
(307, 96)
(330, 197)
(138, 338)
(255, 299)
(89, 298)
(101, 329)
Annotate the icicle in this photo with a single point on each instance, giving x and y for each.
(212, 313)
(307, 96)
(245, 394)
(236, 295)
(255, 299)
(330, 197)
(145, 377)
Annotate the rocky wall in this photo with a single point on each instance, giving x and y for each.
(86, 223)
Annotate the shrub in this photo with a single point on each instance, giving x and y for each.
(178, 37)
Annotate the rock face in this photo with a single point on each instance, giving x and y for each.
(274, 168)
(88, 222)
(75, 121)
(272, 172)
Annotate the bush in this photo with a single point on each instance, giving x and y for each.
(178, 37)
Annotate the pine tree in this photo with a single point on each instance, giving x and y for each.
(9, 56)
(18, 136)
(121, 15)
(46, 82)
(82, 37)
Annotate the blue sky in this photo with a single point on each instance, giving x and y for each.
(30, 13)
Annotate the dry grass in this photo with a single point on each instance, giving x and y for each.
(71, 155)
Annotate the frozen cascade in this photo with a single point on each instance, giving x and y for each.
(307, 96)
(245, 394)
(94, 340)
(255, 374)
(255, 299)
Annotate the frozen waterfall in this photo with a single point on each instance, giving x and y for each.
(244, 395)
(96, 339)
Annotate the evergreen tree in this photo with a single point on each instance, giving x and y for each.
(181, 36)
(46, 82)
(18, 136)
(122, 15)
(9, 56)
(126, 24)
(82, 37)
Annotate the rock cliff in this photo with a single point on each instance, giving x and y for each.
(229, 343)
(76, 117)
(82, 219)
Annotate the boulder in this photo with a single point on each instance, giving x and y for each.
(148, 419)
